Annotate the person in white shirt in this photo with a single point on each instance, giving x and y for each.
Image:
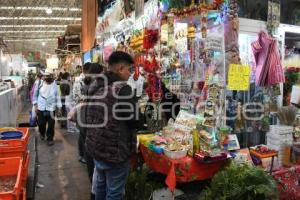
(46, 99)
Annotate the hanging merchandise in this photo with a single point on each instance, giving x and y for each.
(129, 6)
(139, 8)
(273, 16)
(137, 41)
(111, 17)
(154, 88)
(204, 23)
(269, 70)
(150, 38)
(171, 38)
(231, 28)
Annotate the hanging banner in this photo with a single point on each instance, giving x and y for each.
(139, 8)
(32, 56)
(239, 77)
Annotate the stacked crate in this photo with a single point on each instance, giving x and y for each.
(14, 163)
(280, 138)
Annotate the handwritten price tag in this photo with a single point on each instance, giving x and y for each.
(238, 77)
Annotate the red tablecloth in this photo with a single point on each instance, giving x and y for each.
(288, 183)
(181, 170)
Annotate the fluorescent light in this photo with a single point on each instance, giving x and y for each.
(28, 40)
(41, 18)
(33, 26)
(39, 8)
(3, 58)
(44, 31)
(74, 9)
(49, 11)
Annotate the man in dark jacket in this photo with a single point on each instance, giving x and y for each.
(111, 124)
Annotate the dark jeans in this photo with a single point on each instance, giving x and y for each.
(81, 143)
(46, 118)
(90, 165)
(83, 153)
(64, 113)
(111, 180)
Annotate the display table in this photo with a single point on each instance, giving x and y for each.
(262, 156)
(182, 170)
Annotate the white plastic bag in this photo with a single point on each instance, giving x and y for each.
(33, 112)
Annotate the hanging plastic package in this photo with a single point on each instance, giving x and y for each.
(32, 118)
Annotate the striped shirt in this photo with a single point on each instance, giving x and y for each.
(269, 70)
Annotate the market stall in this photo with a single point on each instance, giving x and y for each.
(180, 51)
(182, 170)
(226, 75)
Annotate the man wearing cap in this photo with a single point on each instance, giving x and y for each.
(46, 99)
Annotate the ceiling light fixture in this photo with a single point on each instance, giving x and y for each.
(45, 31)
(29, 40)
(3, 58)
(33, 26)
(40, 8)
(43, 43)
(41, 18)
(49, 11)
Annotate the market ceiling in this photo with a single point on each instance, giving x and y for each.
(33, 25)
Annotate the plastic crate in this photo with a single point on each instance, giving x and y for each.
(288, 183)
(15, 147)
(25, 166)
(12, 167)
(23, 194)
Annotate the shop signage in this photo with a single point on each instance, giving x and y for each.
(239, 77)
(32, 56)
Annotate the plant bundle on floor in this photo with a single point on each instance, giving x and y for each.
(139, 187)
(241, 182)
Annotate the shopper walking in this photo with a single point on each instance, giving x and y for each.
(110, 132)
(65, 89)
(46, 100)
(78, 97)
(94, 73)
(36, 83)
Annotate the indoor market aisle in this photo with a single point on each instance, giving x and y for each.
(63, 177)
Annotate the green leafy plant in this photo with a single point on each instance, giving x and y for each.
(138, 185)
(238, 182)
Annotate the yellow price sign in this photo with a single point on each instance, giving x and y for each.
(239, 77)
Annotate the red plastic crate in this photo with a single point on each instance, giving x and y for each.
(12, 167)
(23, 194)
(288, 183)
(15, 147)
(25, 166)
